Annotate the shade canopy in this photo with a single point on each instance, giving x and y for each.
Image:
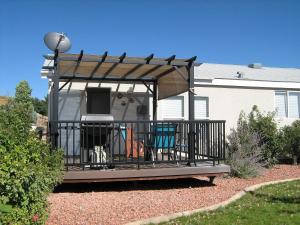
(171, 75)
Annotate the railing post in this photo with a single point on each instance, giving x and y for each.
(191, 144)
(224, 143)
(191, 138)
(207, 130)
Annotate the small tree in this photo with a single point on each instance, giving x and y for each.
(16, 116)
(244, 151)
(291, 137)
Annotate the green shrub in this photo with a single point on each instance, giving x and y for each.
(291, 137)
(244, 151)
(269, 137)
(16, 115)
(29, 170)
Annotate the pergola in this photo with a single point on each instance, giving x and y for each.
(203, 141)
(168, 76)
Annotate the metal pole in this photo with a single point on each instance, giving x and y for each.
(191, 114)
(54, 105)
(154, 101)
(191, 93)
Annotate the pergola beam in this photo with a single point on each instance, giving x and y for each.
(148, 87)
(68, 81)
(132, 70)
(170, 59)
(121, 59)
(98, 65)
(165, 73)
(78, 62)
(149, 71)
(147, 59)
(128, 61)
(84, 78)
(191, 60)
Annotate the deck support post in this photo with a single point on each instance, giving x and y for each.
(191, 143)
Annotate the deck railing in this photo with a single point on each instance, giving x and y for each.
(107, 144)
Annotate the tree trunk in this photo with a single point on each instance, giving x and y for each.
(295, 160)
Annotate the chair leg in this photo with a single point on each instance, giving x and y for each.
(152, 156)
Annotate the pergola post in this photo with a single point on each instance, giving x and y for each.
(191, 92)
(154, 101)
(54, 106)
(191, 114)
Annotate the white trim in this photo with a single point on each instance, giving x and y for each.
(250, 83)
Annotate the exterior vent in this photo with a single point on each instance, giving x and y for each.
(255, 65)
(240, 75)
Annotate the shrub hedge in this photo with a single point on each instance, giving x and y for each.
(270, 137)
(291, 141)
(258, 142)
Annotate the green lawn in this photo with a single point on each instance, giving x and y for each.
(272, 204)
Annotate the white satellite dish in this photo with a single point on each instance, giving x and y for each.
(59, 41)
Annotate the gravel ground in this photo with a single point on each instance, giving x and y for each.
(123, 202)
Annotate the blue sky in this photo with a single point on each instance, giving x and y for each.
(228, 31)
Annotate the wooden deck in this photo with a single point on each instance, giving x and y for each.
(110, 175)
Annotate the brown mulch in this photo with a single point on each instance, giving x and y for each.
(123, 202)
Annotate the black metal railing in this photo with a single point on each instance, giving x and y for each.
(107, 144)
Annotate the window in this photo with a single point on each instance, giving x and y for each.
(173, 108)
(98, 100)
(287, 104)
(293, 105)
(281, 104)
(201, 107)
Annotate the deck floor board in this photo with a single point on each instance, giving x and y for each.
(145, 173)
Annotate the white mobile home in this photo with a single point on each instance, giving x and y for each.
(104, 111)
(222, 91)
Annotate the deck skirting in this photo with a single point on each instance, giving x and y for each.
(144, 174)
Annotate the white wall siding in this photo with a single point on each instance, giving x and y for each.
(227, 103)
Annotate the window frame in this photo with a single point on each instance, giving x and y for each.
(287, 94)
(165, 117)
(207, 107)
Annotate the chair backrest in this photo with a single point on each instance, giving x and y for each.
(123, 132)
(163, 135)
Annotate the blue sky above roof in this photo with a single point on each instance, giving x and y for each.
(231, 32)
